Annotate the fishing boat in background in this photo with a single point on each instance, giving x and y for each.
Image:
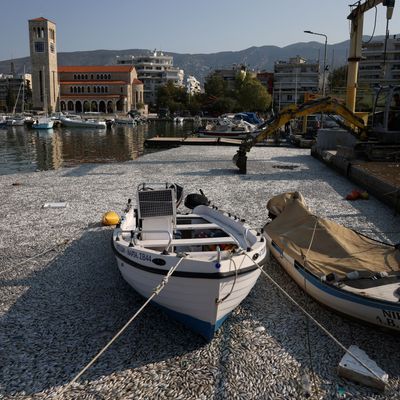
(43, 122)
(78, 122)
(226, 128)
(340, 268)
(216, 252)
(125, 120)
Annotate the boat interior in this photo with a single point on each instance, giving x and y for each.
(156, 225)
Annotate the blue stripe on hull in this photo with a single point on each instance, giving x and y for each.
(205, 329)
(342, 294)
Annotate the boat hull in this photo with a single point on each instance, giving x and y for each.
(43, 125)
(70, 123)
(191, 298)
(374, 311)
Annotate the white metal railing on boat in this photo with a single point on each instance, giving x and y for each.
(134, 234)
(176, 242)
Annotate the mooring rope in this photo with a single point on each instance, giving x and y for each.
(319, 325)
(155, 292)
(53, 248)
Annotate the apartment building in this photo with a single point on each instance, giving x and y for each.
(379, 66)
(154, 70)
(294, 78)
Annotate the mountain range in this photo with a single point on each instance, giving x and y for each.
(200, 65)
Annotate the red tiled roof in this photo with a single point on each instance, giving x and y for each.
(82, 83)
(96, 68)
(137, 82)
(98, 96)
(41, 19)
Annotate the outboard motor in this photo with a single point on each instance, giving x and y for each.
(193, 200)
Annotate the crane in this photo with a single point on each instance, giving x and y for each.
(356, 30)
(352, 121)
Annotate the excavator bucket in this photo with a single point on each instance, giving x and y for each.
(240, 160)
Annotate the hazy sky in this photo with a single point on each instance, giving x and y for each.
(183, 26)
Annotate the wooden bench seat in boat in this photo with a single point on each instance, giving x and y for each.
(187, 242)
(186, 227)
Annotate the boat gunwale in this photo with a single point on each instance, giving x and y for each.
(187, 274)
(332, 290)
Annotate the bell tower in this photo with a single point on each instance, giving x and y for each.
(42, 43)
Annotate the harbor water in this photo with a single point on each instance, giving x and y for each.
(25, 150)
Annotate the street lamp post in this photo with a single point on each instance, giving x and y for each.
(324, 70)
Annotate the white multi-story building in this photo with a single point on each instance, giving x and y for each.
(294, 78)
(154, 69)
(192, 85)
(380, 67)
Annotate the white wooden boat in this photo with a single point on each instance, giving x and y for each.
(340, 268)
(43, 123)
(76, 122)
(217, 270)
(125, 121)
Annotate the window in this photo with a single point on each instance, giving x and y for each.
(88, 89)
(70, 89)
(39, 47)
(52, 47)
(122, 89)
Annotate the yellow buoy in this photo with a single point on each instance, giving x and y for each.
(110, 218)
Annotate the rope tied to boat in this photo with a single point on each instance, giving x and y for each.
(231, 260)
(318, 324)
(155, 292)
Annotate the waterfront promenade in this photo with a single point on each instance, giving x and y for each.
(62, 297)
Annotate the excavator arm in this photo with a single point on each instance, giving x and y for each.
(326, 105)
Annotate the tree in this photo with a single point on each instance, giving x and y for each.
(338, 78)
(252, 95)
(214, 86)
(172, 97)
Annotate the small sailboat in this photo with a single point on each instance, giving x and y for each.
(216, 251)
(340, 268)
(43, 122)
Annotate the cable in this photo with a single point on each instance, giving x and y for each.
(373, 32)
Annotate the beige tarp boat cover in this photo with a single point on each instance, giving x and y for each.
(323, 246)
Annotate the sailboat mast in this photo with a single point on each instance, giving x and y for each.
(23, 92)
(44, 93)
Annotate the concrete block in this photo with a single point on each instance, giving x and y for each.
(351, 368)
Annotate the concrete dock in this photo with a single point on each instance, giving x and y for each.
(63, 299)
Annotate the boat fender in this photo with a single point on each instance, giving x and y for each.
(194, 199)
(110, 218)
(330, 278)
